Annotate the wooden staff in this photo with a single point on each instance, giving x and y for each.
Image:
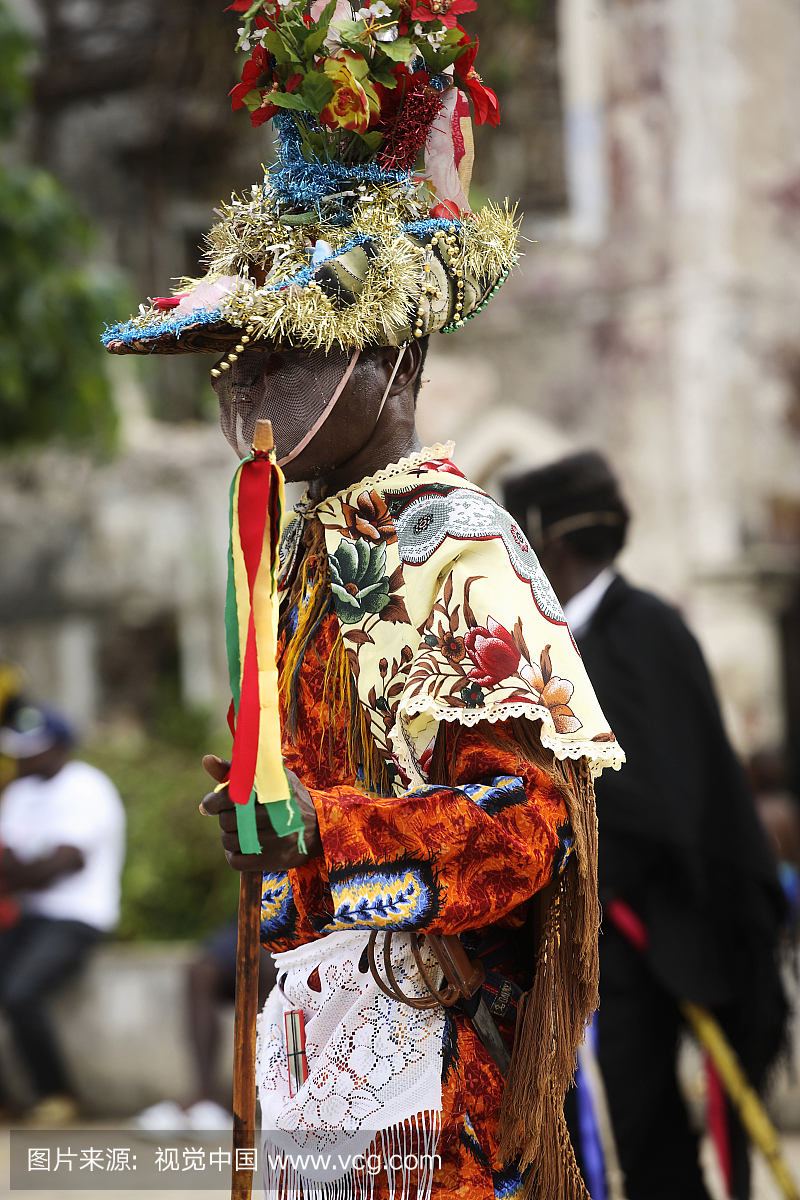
(244, 1032)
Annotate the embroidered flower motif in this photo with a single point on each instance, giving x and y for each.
(368, 518)
(554, 692)
(472, 695)
(452, 647)
(359, 581)
(492, 649)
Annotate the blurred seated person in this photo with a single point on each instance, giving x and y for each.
(210, 984)
(683, 861)
(62, 828)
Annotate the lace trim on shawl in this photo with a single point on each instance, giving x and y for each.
(438, 450)
(597, 754)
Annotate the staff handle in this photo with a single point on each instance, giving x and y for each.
(244, 1030)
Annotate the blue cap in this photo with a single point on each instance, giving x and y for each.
(32, 730)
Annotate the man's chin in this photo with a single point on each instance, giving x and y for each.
(303, 474)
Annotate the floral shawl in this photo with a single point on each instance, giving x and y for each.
(447, 615)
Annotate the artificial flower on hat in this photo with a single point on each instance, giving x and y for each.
(361, 233)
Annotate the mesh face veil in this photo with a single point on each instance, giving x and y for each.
(296, 391)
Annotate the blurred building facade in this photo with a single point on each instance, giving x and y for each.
(656, 316)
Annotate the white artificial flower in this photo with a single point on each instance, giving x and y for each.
(379, 9)
(333, 39)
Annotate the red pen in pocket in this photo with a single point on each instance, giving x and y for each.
(295, 1026)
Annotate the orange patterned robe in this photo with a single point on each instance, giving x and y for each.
(462, 860)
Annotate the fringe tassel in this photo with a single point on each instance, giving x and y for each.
(405, 1154)
(554, 1012)
(340, 697)
(553, 1017)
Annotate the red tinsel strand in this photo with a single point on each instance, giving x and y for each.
(405, 121)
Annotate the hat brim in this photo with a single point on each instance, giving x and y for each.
(192, 339)
(379, 281)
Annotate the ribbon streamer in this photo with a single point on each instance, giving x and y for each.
(251, 620)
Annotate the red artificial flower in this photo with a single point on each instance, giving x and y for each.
(164, 303)
(445, 11)
(254, 69)
(484, 101)
(492, 649)
(265, 113)
(260, 20)
(449, 211)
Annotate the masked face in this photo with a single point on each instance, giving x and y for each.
(294, 389)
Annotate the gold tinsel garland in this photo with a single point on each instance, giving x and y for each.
(250, 238)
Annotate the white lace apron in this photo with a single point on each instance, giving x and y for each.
(373, 1097)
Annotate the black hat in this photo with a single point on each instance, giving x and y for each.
(575, 493)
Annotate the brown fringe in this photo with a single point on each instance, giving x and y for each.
(554, 1012)
(340, 697)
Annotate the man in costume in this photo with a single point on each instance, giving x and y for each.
(681, 847)
(439, 733)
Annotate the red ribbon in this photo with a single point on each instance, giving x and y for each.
(253, 509)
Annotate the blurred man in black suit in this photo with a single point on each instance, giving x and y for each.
(680, 844)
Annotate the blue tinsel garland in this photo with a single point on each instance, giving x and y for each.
(130, 331)
(303, 185)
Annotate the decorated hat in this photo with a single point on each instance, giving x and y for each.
(361, 233)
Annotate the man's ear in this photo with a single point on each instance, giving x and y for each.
(409, 365)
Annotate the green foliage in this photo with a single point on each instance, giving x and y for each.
(52, 307)
(177, 883)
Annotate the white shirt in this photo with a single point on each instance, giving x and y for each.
(584, 604)
(77, 807)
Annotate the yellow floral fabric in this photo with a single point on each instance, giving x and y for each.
(447, 615)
